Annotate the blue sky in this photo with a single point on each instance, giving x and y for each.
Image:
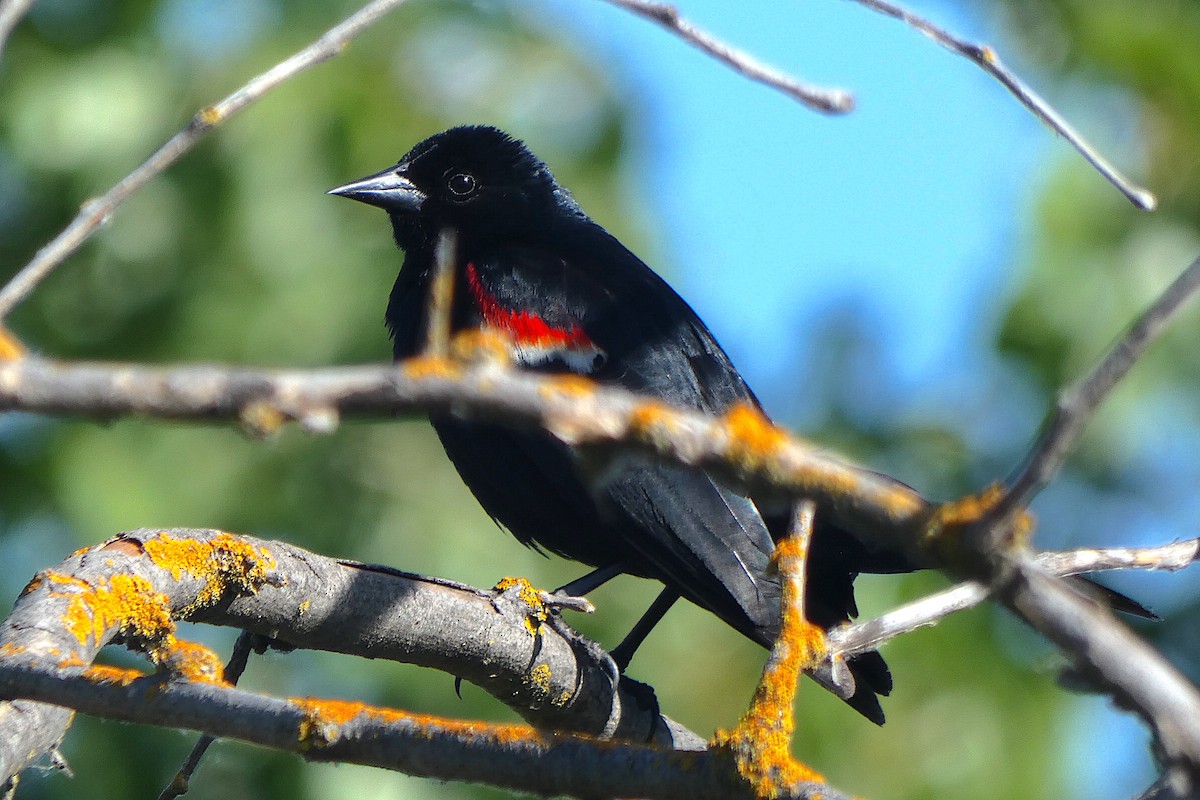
(911, 203)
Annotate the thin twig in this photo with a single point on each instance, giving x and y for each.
(987, 59)
(1115, 658)
(870, 634)
(1076, 404)
(96, 212)
(800, 530)
(11, 12)
(441, 295)
(233, 672)
(829, 101)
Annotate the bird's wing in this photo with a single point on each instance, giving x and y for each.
(697, 536)
(676, 524)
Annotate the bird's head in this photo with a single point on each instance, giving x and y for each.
(476, 179)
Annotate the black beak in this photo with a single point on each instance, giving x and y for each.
(389, 190)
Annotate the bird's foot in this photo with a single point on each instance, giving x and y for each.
(559, 601)
(538, 604)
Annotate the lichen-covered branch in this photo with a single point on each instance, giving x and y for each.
(135, 586)
(742, 443)
(511, 756)
(760, 744)
(312, 601)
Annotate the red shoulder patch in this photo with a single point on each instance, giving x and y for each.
(526, 330)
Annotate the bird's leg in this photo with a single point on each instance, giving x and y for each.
(594, 579)
(571, 595)
(623, 653)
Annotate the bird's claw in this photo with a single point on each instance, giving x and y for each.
(558, 602)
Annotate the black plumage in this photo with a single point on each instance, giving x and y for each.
(574, 299)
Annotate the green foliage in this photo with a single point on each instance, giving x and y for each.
(237, 256)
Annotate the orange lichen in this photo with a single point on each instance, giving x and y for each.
(951, 518)
(209, 115)
(261, 419)
(540, 676)
(429, 367)
(126, 602)
(11, 348)
(324, 720)
(789, 554)
(760, 745)
(840, 482)
(62, 579)
(752, 437)
(499, 732)
(481, 344)
(537, 612)
(224, 562)
(568, 385)
(653, 420)
(902, 502)
(118, 676)
(321, 725)
(968, 509)
(193, 662)
(10, 650)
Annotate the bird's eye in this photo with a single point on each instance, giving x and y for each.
(462, 185)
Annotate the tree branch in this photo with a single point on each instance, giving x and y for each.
(866, 635)
(1076, 404)
(234, 668)
(1116, 659)
(510, 756)
(11, 12)
(742, 443)
(96, 212)
(989, 61)
(829, 101)
(133, 586)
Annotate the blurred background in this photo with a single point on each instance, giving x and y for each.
(908, 284)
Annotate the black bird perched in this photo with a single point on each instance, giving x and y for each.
(573, 299)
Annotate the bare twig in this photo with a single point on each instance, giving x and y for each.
(870, 634)
(987, 59)
(11, 12)
(96, 212)
(441, 295)
(1137, 676)
(1076, 404)
(792, 565)
(233, 672)
(829, 101)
